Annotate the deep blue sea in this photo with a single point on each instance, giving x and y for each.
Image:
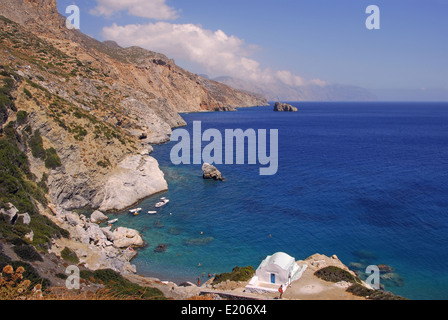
(365, 181)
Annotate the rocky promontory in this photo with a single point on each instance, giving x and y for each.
(284, 107)
(135, 178)
(211, 172)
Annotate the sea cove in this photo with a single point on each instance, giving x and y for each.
(363, 181)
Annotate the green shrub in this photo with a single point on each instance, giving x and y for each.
(361, 291)
(44, 231)
(3, 114)
(52, 160)
(43, 183)
(27, 253)
(28, 93)
(36, 192)
(11, 133)
(8, 232)
(37, 145)
(237, 274)
(120, 286)
(14, 172)
(335, 274)
(62, 276)
(22, 116)
(6, 100)
(103, 164)
(69, 256)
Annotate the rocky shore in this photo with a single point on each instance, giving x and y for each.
(97, 247)
(309, 287)
(135, 178)
(211, 173)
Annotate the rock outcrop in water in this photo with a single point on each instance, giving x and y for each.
(284, 107)
(210, 172)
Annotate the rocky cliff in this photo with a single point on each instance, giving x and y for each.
(96, 106)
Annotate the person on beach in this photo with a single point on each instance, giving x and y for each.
(281, 291)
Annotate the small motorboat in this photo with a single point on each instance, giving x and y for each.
(162, 203)
(135, 212)
(152, 212)
(112, 221)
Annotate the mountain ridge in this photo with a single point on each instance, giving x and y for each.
(311, 92)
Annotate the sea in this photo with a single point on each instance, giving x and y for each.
(367, 182)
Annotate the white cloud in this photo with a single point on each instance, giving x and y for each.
(218, 53)
(290, 79)
(153, 9)
(318, 82)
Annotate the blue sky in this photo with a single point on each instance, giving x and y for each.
(297, 41)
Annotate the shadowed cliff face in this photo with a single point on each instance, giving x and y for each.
(99, 106)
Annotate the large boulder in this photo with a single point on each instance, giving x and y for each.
(284, 107)
(95, 233)
(124, 238)
(135, 178)
(73, 219)
(98, 217)
(26, 218)
(12, 213)
(210, 172)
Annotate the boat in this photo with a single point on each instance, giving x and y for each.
(152, 212)
(135, 212)
(162, 203)
(112, 221)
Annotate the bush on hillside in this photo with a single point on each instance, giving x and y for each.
(237, 274)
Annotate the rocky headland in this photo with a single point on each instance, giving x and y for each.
(284, 107)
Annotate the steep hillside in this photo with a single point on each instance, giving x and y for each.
(96, 106)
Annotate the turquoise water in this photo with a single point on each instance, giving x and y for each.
(364, 181)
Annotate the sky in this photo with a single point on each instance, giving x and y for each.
(297, 42)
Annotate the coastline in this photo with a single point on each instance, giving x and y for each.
(101, 255)
(307, 287)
